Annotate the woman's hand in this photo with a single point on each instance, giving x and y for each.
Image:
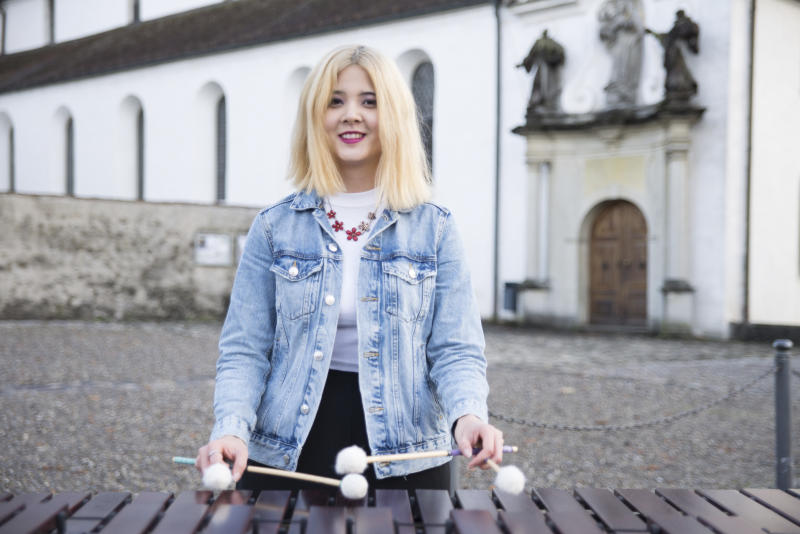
(471, 432)
(225, 448)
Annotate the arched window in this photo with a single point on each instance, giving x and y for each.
(63, 160)
(69, 159)
(6, 154)
(276, 161)
(422, 86)
(129, 156)
(222, 141)
(210, 129)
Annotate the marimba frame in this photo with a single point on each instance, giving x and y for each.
(543, 511)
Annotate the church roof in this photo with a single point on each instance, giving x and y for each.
(216, 28)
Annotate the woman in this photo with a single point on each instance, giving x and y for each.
(352, 319)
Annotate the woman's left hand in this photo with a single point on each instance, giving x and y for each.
(471, 432)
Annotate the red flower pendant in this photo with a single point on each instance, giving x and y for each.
(353, 234)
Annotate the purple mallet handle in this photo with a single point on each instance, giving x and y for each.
(506, 448)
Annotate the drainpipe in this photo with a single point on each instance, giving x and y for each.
(748, 171)
(498, 121)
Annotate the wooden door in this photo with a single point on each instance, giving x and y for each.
(618, 266)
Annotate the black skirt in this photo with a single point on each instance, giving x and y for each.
(340, 423)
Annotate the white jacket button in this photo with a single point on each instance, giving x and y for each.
(318, 355)
(304, 409)
(332, 247)
(293, 270)
(329, 300)
(412, 273)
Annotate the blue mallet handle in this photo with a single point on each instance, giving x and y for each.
(507, 448)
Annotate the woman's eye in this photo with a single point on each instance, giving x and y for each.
(335, 101)
(370, 102)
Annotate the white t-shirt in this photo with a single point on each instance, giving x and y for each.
(351, 209)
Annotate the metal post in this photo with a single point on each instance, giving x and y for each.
(783, 414)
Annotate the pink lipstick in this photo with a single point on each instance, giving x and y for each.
(351, 137)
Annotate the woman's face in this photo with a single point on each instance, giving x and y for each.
(351, 121)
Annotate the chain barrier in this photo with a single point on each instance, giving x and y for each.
(644, 424)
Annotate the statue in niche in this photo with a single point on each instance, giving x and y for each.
(547, 57)
(679, 85)
(621, 30)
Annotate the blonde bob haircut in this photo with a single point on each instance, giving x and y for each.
(402, 176)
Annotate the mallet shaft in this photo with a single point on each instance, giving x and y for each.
(292, 474)
(426, 454)
(274, 472)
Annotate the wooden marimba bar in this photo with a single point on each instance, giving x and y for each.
(544, 511)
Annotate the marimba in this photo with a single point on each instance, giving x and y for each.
(543, 511)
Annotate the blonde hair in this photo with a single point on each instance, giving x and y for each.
(402, 177)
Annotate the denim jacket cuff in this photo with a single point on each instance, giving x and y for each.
(231, 425)
(476, 408)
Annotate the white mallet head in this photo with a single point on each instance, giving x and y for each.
(354, 486)
(351, 459)
(510, 479)
(217, 477)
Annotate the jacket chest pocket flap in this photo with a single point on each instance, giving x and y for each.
(408, 285)
(296, 283)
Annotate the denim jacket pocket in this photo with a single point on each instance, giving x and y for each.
(408, 285)
(296, 284)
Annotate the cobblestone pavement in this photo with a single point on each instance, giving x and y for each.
(106, 406)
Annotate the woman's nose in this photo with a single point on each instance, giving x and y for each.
(351, 113)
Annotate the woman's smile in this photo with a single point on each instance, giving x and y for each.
(351, 137)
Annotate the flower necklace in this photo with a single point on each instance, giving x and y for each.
(363, 226)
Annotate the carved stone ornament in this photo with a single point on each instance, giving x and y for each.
(544, 59)
(621, 30)
(679, 84)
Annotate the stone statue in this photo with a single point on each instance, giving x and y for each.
(621, 30)
(679, 85)
(547, 57)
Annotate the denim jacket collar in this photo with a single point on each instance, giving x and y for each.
(307, 200)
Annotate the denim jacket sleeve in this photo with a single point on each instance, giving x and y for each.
(455, 345)
(246, 339)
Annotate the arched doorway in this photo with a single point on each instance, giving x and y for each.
(618, 266)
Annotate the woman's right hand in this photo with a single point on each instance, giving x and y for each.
(225, 448)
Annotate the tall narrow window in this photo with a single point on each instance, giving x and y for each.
(12, 186)
(128, 170)
(51, 21)
(6, 153)
(221, 148)
(135, 13)
(2, 31)
(140, 155)
(70, 158)
(422, 86)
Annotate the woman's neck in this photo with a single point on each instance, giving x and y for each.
(359, 179)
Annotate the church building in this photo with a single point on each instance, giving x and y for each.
(614, 164)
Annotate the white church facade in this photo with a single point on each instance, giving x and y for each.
(577, 216)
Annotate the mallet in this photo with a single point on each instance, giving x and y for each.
(509, 477)
(218, 476)
(353, 459)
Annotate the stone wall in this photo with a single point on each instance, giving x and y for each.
(72, 258)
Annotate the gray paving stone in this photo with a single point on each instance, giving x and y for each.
(105, 406)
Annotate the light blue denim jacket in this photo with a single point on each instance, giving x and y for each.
(420, 342)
